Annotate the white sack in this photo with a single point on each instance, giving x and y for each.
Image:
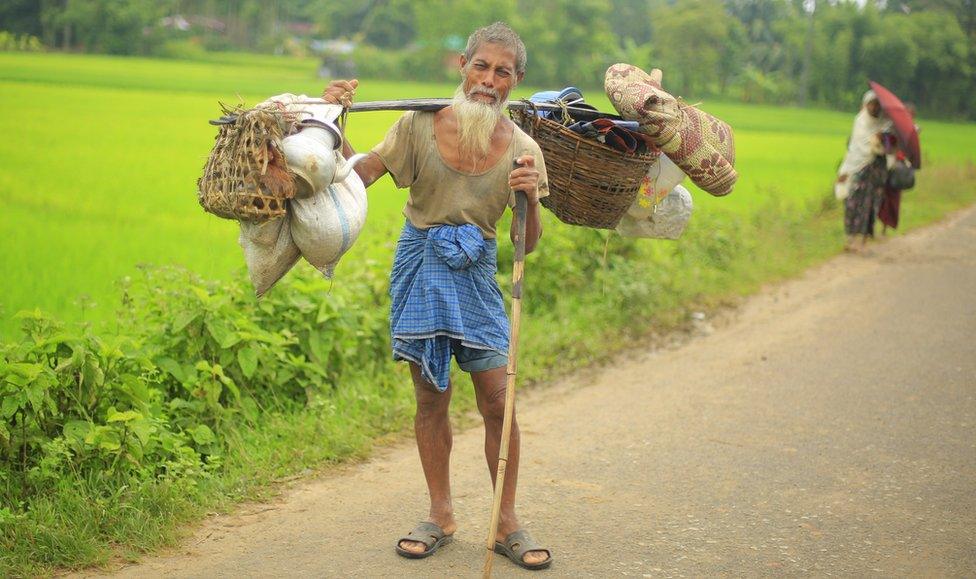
(329, 210)
(307, 109)
(268, 251)
(311, 158)
(325, 225)
(666, 220)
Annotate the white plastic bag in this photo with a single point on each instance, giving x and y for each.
(325, 225)
(661, 178)
(665, 220)
(269, 251)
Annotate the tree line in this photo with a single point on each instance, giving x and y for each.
(765, 51)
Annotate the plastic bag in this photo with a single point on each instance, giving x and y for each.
(661, 178)
(269, 251)
(665, 220)
(901, 175)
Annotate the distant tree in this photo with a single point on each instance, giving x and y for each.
(569, 41)
(631, 20)
(831, 58)
(112, 26)
(763, 37)
(21, 17)
(440, 20)
(689, 38)
(942, 74)
(891, 54)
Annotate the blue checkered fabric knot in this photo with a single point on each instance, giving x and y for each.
(443, 287)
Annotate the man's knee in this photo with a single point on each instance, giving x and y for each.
(491, 403)
(430, 401)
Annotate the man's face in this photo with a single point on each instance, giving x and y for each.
(490, 75)
(874, 108)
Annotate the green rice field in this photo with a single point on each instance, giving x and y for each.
(99, 165)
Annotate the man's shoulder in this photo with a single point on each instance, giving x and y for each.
(414, 117)
(409, 124)
(525, 141)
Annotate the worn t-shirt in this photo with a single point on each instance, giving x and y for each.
(439, 193)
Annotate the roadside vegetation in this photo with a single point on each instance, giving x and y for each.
(136, 398)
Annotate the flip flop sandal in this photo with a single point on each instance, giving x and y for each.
(430, 534)
(517, 544)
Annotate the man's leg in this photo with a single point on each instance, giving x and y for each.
(489, 388)
(432, 427)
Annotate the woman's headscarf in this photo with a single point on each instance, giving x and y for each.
(860, 149)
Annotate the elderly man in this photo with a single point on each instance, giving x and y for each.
(458, 164)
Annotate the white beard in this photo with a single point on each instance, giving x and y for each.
(476, 122)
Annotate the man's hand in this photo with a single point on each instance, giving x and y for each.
(340, 92)
(525, 178)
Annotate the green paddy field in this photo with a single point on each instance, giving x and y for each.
(101, 155)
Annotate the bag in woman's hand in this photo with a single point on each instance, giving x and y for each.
(901, 175)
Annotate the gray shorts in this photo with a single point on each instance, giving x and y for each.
(476, 359)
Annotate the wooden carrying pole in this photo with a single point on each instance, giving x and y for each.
(436, 104)
(521, 205)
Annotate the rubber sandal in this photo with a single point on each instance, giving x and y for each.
(517, 544)
(430, 534)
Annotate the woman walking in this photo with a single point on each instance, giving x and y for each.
(862, 175)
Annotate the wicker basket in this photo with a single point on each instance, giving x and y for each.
(246, 176)
(590, 184)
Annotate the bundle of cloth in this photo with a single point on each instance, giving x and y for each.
(328, 210)
(700, 144)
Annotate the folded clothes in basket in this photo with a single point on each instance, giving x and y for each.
(621, 135)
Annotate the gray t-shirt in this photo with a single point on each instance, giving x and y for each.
(439, 193)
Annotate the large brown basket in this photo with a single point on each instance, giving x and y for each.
(246, 176)
(590, 184)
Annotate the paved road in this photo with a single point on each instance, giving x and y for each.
(827, 428)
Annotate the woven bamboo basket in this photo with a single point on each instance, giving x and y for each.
(246, 176)
(590, 184)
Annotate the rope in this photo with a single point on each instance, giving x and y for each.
(343, 116)
(564, 110)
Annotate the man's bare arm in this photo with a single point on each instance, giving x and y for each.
(371, 168)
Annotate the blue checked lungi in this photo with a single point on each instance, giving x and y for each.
(443, 287)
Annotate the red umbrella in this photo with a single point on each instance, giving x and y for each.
(903, 122)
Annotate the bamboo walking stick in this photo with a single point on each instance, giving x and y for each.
(521, 205)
